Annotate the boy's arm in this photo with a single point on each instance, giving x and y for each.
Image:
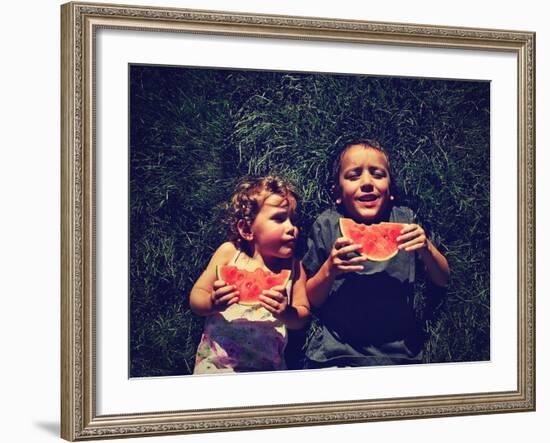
(414, 238)
(436, 265)
(200, 299)
(338, 262)
(314, 262)
(318, 286)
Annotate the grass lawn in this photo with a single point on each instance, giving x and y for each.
(195, 132)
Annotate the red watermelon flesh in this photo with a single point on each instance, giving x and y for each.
(250, 284)
(378, 242)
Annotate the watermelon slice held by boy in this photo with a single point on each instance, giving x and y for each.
(378, 242)
(250, 284)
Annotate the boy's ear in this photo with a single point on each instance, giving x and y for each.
(335, 190)
(244, 230)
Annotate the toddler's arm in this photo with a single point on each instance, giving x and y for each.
(209, 295)
(295, 315)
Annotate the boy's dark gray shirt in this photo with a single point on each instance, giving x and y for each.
(368, 317)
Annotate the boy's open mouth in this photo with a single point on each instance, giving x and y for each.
(367, 198)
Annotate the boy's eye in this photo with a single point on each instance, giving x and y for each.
(378, 173)
(353, 176)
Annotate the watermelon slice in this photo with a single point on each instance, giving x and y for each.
(250, 284)
(378, 242)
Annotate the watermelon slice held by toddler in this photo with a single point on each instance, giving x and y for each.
(250, 284)
(378, 242)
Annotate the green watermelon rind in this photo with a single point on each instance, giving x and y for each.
(341, 223)
(254, 303)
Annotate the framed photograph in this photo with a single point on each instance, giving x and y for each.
(183, 129)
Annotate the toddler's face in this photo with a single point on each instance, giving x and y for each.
(273, 228)
(364, 182)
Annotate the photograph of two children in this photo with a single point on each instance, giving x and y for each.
(287, 220)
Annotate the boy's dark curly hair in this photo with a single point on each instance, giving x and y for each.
(247, 199)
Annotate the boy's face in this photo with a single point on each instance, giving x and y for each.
(364, 183)
(273, 229)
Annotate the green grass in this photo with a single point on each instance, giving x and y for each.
(195, 132)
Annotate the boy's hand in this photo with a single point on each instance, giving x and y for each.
(338, 260)
(223, 295)
(413, 237)
(275, 300)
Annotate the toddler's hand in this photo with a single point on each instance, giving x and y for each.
(275, 300)
(223, 295)
(338, 260)
(413, 237)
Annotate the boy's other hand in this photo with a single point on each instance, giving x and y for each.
(412, 238)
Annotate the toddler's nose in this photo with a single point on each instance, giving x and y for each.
(292, 230)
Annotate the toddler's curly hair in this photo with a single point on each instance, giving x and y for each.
(248, 197)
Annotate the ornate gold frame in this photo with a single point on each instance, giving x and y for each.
(78, 415)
